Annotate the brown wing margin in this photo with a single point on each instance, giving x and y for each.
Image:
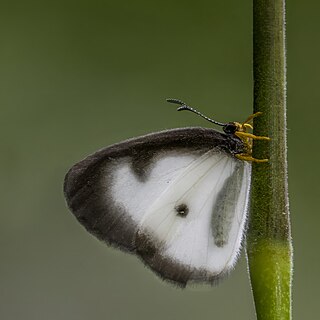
(90, 200)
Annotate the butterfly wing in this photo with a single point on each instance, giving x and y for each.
(193, 230)
(176, 198)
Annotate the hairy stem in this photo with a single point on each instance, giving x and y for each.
(269, 248)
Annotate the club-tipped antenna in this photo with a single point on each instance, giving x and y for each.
(184, 106)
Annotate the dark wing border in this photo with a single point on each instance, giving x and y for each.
(182, 138)
(89, 199)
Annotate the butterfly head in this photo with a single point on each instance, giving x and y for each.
(236, 129)
(231, 127)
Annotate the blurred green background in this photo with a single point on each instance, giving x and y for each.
(79, 75)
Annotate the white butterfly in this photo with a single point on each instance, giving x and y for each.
(178, 198)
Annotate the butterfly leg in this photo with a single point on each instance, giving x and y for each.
(247, 140)
(248, 157)
(242, 135)
(250, 118)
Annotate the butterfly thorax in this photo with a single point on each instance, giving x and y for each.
(239, 130)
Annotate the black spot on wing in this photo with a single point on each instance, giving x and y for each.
(182, 210)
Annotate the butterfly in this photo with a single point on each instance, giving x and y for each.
(178, 199)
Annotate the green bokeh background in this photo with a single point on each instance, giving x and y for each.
(79, 75)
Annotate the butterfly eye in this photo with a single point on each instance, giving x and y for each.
(182, 210)
(230, 128)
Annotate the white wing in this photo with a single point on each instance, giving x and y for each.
(190, 212)
(176, 198)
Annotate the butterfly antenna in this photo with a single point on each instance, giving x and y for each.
(184, 106)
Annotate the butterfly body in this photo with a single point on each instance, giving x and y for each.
(177, 198)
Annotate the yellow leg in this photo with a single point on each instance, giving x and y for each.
(250, 135)
(247, 125)
(247, 157)
(250, 118)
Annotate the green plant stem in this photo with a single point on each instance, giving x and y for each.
(269, 248)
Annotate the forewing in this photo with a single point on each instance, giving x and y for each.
(127, 195)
